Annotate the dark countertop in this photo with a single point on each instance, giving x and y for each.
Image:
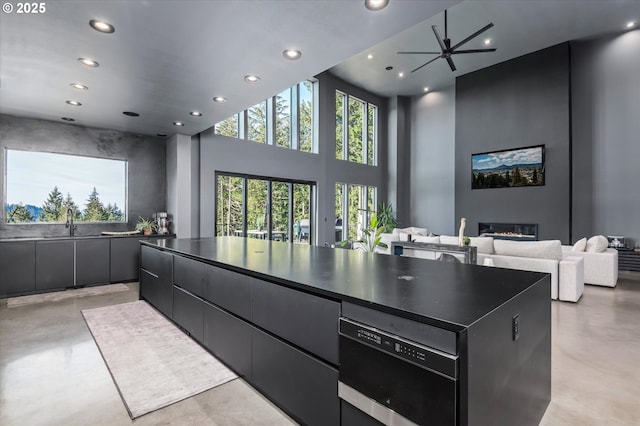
(449, 295)
(79, 237)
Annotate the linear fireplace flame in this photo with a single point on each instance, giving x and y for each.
(509, 231)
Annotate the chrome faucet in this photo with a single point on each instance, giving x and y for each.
(69, 223)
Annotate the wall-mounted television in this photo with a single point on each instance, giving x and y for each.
(508, 168)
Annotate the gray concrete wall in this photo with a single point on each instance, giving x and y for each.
(146, 168)
(432, 161)
(183, 185)
(514, 104)
(609, 71)
(223, 154)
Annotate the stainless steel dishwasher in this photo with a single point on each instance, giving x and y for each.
(394, 379)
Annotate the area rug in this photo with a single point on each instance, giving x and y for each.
(151, 361)
(57, 296)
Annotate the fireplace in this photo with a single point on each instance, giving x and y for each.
(509, 231)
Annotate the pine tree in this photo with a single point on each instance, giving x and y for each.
(19, 213)
(70, 204)
(52, 209)
(95, 211)
(114, 214)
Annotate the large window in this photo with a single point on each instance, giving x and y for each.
(356, 135)
(43, 187)
(354, 206)
(285, 120)
(266, 208)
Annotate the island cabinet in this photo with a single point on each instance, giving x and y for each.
(156, 279)
(55, 264)
(17, 268)
(333, 337)
(281, 340)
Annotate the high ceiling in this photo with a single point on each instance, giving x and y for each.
(169, 57)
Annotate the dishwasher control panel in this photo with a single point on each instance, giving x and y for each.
(399, 347)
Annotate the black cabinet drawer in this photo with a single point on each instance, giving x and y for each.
(228, 338)
(229, 290)
(156, 279)
(190, 275)
(92, 261)
(188, 312)
(300, 384)
(305, 320)
(17, 268)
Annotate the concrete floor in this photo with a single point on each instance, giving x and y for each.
(51, 372)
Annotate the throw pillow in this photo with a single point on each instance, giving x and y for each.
(483, 244)
(580, 245)
(597, 244)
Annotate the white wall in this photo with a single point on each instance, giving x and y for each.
(432, 164)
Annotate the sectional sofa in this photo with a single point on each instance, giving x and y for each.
(566, 269)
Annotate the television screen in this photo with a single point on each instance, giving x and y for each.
(508, 168)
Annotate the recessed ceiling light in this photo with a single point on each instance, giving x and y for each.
(369, 56)
(220, 99)
(103, 27)
(426, 89)
(401, 74)
(178, 123)
(74, 103)
(162, 135)
(487, 41)
(131, 114)
(631, 24)
(375, 4)
(68, 119)
(251, 78)
(78, 86)
(196, 113)
(88, 62)
(292, 54)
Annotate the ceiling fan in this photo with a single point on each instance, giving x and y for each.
(445, 45)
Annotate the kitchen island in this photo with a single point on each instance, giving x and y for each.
(329, 334)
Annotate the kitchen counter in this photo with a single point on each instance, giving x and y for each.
(448, 295)
(318, 317)
(80, 237)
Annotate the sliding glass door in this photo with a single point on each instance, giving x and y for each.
(263, 207)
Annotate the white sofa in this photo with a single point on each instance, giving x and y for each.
(567, 272)
(600, 268)
(399, 234)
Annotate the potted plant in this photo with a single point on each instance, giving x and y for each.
(147, 226)
(371, 236)
(386, 218)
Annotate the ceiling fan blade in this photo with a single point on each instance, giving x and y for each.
(473, 51)
(419, 53)
(451, 65)
(472, 36)
(426, 63)
(439, 37)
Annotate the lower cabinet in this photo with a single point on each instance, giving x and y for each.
(351, 416)
(125, 258)
(229, 339)
(188, 312)
(156, 279)
(54, 264)
(301, 384)
(92, 261)
(17, 268)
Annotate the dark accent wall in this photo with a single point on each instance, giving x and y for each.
(146, 158)
(518, 103)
